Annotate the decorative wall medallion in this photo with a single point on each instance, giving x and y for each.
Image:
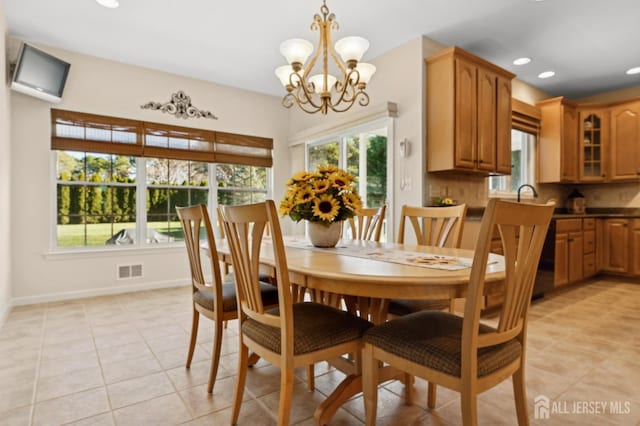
(180, 106)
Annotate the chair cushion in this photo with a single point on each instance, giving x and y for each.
(315, 327)
(401, 307)
(433, 339)
(229, 303)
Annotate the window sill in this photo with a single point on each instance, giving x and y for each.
(82, 253)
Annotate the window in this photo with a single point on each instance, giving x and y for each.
(522, 165)
(96, 197)
(363, 152)
(172, 183)
(100, 194)
(240, 184)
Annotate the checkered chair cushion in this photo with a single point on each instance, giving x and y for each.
(315, 326)
(433, 339)
(229, 301)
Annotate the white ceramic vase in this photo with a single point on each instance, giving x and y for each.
(324, 236)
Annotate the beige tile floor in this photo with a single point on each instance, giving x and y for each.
(120, 360)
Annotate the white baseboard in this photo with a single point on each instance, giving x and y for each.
(104, 291)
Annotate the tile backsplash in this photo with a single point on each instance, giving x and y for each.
(473, 190)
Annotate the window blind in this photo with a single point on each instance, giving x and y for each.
(525, 117)
(77, 131)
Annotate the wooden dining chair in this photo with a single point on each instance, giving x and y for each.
(367, 224)
(460, 353)
(215, 300)
(293, 334)
(432, 226)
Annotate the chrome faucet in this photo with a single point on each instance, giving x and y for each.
(535, 194)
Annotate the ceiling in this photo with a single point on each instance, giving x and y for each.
(589, 44)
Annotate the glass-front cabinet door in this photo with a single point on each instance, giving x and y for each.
(592, 139)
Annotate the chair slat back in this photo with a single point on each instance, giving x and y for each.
(367, 225)
(434, 226)
(192, 219)
(522, 228)
(245, 227)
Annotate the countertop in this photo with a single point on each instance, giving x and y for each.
(475, 213)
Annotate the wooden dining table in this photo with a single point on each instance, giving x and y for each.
(363, 276)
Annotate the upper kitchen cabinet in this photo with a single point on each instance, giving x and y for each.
(558, 141)
(593, 141)
(468, 114)
(625, 142)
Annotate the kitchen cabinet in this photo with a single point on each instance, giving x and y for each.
(588, 143)
(569, 251)
(625, 142)
(635, 248)
(616, 246)
(589, 263)
(558, 141)
(468, 114)
(592, 143)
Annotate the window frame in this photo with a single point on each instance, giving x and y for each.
(524, 118)
(341, 137)
(529, 156)
(141, 186)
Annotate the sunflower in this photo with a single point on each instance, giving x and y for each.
(327, 168)
(321, 186)
(299, 176)
(304, 195)
(339, 181)
(352, 200)
(326, 207)
(285, 206)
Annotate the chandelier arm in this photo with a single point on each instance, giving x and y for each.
(347, 106)
(311, 110)
(363, 101)
(290, 99)
(364, 98)
(304, 95)
(344, 94)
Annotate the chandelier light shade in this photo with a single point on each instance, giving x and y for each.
(322, 91)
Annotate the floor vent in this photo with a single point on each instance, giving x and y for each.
(126, 272)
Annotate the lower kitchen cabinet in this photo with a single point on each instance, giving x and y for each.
(616, 246)
(569, 252)
(589, 265)
(635, 248)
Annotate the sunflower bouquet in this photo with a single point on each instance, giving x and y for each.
(327, 195)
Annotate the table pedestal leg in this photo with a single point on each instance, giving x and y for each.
(350, 386)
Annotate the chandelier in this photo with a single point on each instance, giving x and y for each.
(324, 91)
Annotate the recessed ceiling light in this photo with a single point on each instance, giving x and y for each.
(111, 4)
(522, 61)
(546, 74)
(634, 70)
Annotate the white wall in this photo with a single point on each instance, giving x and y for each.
(5, 178)
(109, 88)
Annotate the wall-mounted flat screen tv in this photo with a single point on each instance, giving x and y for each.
(39, 74)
